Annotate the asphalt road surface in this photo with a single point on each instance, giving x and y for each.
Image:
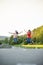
(21, 56)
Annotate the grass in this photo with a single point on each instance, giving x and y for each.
(30, 46)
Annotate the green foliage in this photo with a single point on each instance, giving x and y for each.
(38, 34)
(11, 40)
(0, 42)
(6, 40)
(21, 39)
(34, 39)
(41, 37)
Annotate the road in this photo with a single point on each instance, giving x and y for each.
(21, 56)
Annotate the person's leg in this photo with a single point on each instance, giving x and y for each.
(15, 40)
(28, 40)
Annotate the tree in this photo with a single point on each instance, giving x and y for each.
(6, 40)
(11, 40)
(38, 34)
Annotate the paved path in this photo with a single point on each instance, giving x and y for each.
(21, 56)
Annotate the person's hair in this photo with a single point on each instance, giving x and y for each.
(16, 32)
(29, 30)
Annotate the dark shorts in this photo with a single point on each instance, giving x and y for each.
(28, 40)
(15, 40)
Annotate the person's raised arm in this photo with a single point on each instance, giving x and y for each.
(25, 30)
(11, 33)
(20, 32)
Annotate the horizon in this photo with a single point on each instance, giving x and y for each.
(20, 15)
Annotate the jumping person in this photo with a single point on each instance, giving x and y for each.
(28, 40)
(15, 35)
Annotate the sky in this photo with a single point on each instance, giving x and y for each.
(20, 15)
